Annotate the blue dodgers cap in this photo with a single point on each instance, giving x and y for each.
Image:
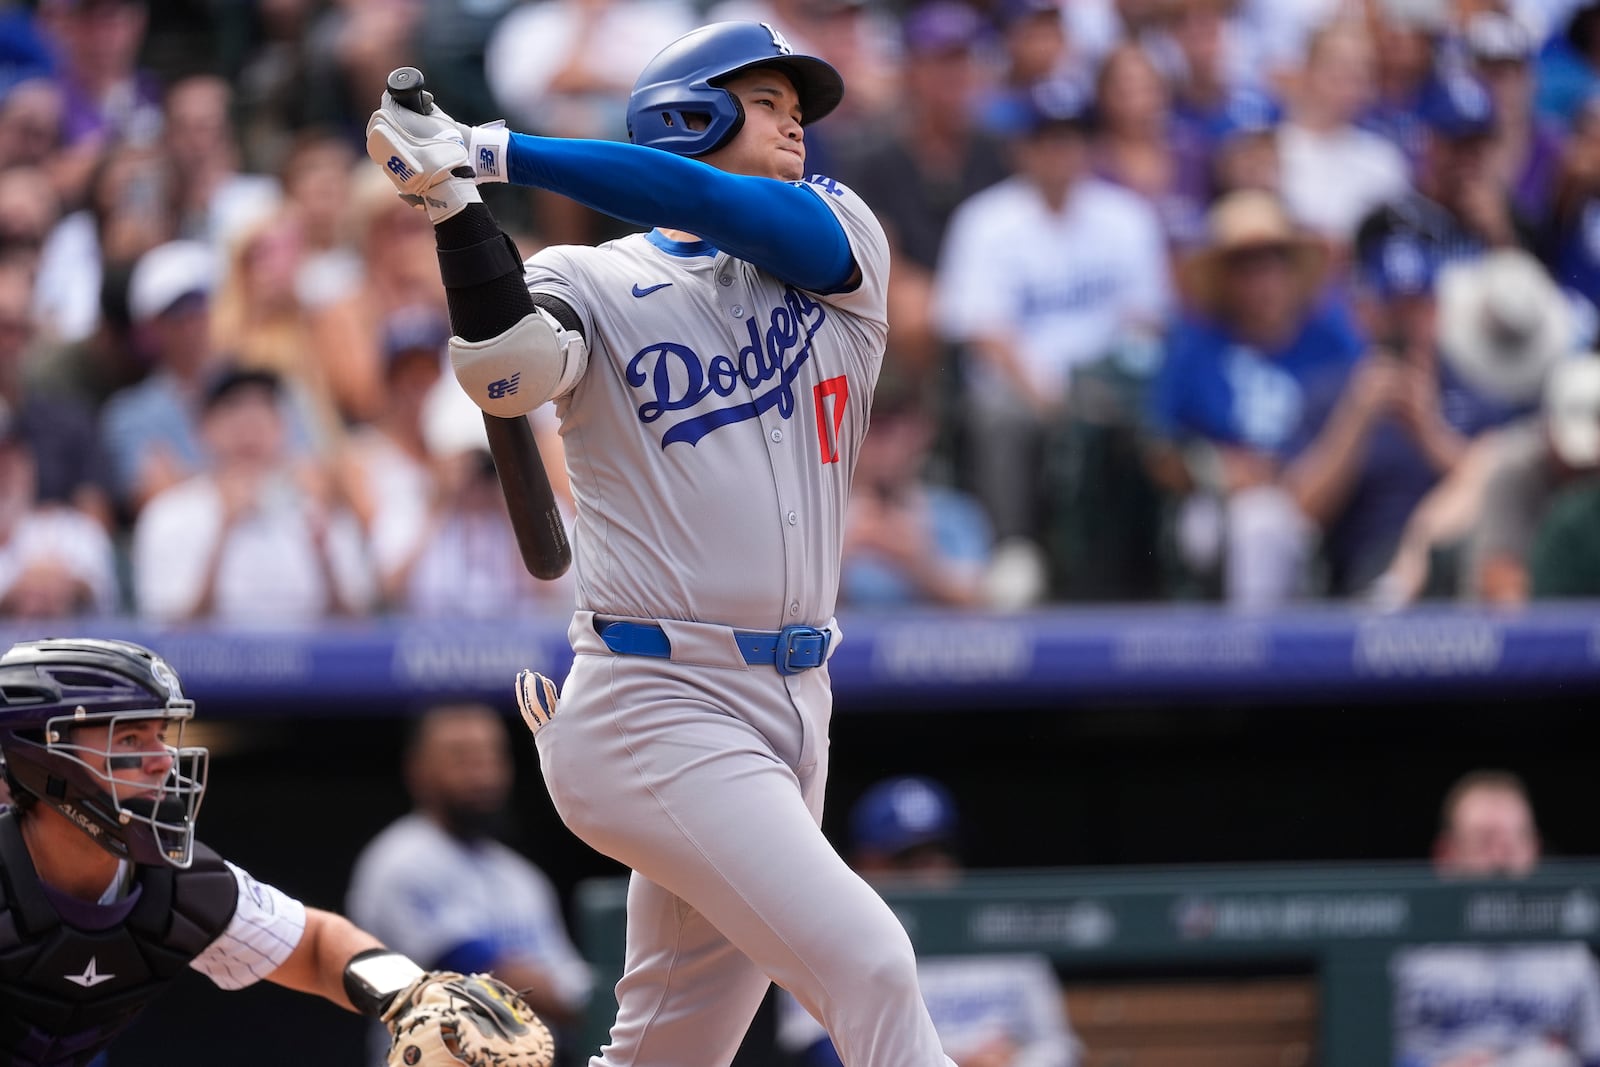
(902, 813)
(1056, 104)
(1457, 106)
(1399, 264)
(1247, 111)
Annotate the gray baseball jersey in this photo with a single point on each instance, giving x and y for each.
(1535, 1003)
(710, 442)
(712, 436)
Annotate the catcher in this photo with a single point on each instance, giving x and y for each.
(105, 895)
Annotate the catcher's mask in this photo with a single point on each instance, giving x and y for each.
(686, 78)
(135, 790)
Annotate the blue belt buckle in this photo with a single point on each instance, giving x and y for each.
(800, 648)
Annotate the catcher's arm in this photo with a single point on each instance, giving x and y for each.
(317, 964)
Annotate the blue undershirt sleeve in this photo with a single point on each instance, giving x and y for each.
(783, 228)
(469, 957)
(822, 1054)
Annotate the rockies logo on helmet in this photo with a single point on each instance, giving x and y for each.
(679, 104)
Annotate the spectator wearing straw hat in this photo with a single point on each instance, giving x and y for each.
(1228, 405)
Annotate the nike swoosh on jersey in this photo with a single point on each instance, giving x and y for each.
(646, 292)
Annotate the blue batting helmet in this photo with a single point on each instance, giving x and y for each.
(686, 78)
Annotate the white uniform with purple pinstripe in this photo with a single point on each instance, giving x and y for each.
(266, 927)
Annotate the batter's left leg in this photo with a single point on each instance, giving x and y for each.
(663, 775)
(686, 994)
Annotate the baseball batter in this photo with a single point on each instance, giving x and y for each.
(712, 377)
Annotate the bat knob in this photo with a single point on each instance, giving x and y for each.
(405, 85)
(405, 79)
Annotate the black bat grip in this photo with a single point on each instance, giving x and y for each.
(405, 85)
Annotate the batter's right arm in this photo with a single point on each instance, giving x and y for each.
(509, 354)
(776, 225)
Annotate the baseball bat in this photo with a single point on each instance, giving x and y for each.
(535, 518)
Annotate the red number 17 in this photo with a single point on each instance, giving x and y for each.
(831, 396)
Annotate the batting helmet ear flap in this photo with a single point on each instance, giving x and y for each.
(688, 122)
(687, 78)
(733, 127)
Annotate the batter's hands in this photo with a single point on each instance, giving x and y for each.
(425, 156)
(536, 699)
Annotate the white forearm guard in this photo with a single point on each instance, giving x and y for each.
(514, 373)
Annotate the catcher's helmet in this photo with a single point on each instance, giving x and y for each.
(686, 78)
(49, 690)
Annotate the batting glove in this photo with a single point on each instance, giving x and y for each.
(536, 699)
(425, 156)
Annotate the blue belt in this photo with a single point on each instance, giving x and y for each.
(791, 650)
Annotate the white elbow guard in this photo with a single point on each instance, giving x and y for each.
(512, 374)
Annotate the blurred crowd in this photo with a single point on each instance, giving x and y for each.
(1254, 301)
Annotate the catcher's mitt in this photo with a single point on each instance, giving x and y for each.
(445, 1019)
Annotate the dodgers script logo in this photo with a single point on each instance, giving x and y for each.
(680, 379)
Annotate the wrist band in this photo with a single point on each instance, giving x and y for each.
(372, 978)
(489, 145)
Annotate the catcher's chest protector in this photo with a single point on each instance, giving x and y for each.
(65, 992)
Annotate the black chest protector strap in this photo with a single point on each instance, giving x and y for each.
(66, 992)
(24, 899)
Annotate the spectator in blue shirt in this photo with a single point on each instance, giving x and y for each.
(1227, 408)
